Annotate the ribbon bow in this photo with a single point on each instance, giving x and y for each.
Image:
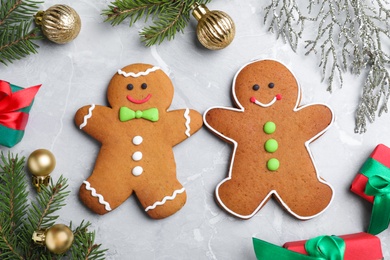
(319, 248)
(126, 114)
(379, 186)
(10, 103)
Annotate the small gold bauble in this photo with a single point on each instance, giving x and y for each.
(58, 238)
(60, 23)
(215, 29)
(40, 164)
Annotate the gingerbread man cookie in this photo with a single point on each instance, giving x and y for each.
(137, 134)
(271, 134)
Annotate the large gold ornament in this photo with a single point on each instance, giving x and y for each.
(40, 164)
(60, 23)
(215, 29)
(58, 238)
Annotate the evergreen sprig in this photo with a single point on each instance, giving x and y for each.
(18, 221)
(168, 17)
(17, 35)
(350, 37)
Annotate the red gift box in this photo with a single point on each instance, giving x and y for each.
(380, 154)
(360, 246)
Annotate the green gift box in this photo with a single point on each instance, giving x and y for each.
(15, 105)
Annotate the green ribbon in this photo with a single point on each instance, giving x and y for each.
(319, 248)
(378, 185)
(126, 114)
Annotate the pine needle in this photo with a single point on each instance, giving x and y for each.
(17, 34)
(168, 17)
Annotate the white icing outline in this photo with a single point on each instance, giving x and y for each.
(97, 195)
(241, 109)
(86, 117)
(265, 105)
(136, 75)
(188, 121)
(164, 200)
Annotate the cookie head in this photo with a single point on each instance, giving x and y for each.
(265, 83)
(140, 86)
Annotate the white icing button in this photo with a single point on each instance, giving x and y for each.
(137, 156)
(137, 170)
(137, 140)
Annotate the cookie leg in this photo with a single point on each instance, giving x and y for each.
(162, 199)
(242, 202)
(312, 198)
(108, 186)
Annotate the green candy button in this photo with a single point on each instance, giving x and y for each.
(271, 145)
(269, 127)
(273, 164)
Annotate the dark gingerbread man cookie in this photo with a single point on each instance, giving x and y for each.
(271, 134)
(137, 133)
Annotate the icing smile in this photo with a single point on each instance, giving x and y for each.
(139, 101)
(255, 101)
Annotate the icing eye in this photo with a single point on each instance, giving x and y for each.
(256, 87)
(144, 86)
(271, 85)
(130, 86)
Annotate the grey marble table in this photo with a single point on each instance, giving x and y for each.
(77, 74)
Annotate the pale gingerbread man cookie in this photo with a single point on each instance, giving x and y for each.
(137, 133)
(271, 134)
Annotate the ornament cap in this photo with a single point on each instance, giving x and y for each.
(199, 10)
(38, 17)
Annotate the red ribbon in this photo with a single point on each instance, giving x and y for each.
(11, 102)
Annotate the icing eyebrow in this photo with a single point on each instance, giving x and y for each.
(136, 75)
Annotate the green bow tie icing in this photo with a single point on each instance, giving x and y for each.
(126, 114)
(318, 248)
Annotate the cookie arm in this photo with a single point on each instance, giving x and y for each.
(315, 119)
(182, 123)
(224, 122)
(92, 119)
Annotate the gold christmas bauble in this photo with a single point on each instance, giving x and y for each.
(60, 23)
(215, 29)
(58, 238)
(41, 162)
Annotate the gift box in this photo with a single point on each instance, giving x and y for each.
(373, 184)
(360, 246)
(15, 104)
(379, 160)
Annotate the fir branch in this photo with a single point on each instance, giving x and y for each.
(84, 246)
(17, 41)
(49, 200)
(14, 11)
(13, 204)
(168, 17)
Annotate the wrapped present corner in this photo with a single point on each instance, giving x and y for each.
(15, 104)
(373, 184)
(360, 246)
